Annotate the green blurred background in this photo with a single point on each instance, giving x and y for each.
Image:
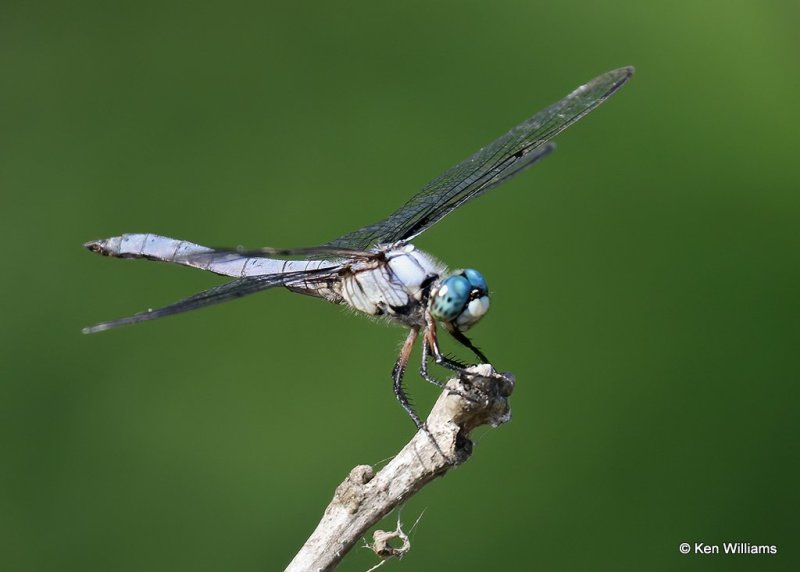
(644, 279)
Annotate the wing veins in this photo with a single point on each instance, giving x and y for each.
(222, 293)
(488, 167)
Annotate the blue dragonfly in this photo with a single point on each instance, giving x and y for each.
(376, 269)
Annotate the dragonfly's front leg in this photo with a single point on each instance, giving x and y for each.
(397, 377)
(461, 369)
(465, 341)
(430, 347)
(423, 368)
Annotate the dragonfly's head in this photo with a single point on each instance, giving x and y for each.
(460, 300)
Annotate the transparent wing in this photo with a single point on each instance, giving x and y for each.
(222, 293)
(494, 164)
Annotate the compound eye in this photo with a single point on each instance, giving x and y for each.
(472, 314)
(476, 280)
(451, 298)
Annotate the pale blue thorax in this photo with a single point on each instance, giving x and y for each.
(388, 287)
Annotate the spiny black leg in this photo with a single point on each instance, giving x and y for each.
(423, 371)
(465, 341)
(461, 338)
(397, 378)
(451, 363)
(443, 360)
(433, 348)
(430, 338)
(423, 368)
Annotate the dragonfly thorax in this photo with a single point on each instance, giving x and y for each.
(395, 285)
(461, 300)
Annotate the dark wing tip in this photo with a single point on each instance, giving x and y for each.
(597, 90)
(621, 75)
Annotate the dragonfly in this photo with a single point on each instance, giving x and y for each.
(376, 269)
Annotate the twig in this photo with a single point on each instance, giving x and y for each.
(365, 497)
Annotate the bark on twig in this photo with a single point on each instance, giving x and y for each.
(365, 497)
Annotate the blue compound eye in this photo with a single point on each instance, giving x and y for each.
(451, 298)
(476, 280)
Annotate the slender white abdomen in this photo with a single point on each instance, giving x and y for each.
(165, 249)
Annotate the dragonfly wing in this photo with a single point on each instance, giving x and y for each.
(492, 165)
(224, 292)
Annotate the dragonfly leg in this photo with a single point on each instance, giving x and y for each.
(431, 346)
(465, 341)
(431, 350)
(449, 363)
(423, 368)
(397, 377)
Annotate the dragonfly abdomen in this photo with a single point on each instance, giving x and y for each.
(164, 249)
(145, 245)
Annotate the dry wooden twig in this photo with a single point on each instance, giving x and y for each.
(365, 496)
